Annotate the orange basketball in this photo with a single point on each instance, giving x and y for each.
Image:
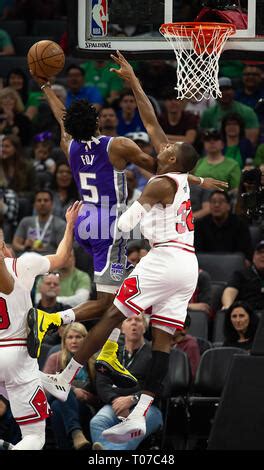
(45, 59)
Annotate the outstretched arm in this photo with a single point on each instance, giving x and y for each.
(145, 107)
(58, 109)
(64, 249)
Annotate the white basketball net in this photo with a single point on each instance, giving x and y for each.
(197, 52)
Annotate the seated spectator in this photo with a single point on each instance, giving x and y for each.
(108, 122)
(237, 146)
(75, 285)
(178, 124)
(155, 76)
(8, 212)
(212, 117)
(44, 120)
(252, 89)
(97, 73)
(49, 289)
(202, 296)
(135, 355)
(240, 326)
(247, 285)
(215, 164)
(70, 419)
(221, 231)
(16, 123)
(143, 141)
(248, 184)
(128, 116)
(64, 189)
(6, 46)
(188, 344)
(198, 107)
(43, 164)
(200, 201)
(17, 173)
(18, 80)
(42, 232)
(77, 89)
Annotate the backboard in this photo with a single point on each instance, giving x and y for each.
(132, 26)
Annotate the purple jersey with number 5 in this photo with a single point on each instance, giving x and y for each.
(104, 192)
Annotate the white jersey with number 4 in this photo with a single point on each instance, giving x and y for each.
(14, 307)
(173, 224)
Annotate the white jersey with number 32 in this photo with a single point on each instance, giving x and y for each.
(173, 223)
(14, 307)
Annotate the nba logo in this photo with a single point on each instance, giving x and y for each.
(99, 18)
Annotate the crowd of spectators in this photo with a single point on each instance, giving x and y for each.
(36, 188)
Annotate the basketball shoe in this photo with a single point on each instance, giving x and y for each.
(130, 428)
(39, 322)
(108, 364)
(56, 385)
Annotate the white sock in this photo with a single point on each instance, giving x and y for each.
(67, 316)
(71, 370)
(114, 335)
(142, 407)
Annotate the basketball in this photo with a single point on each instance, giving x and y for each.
(45, 59)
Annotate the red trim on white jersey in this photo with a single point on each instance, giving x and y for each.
(9, 342)
(171, 322)
(175, 244)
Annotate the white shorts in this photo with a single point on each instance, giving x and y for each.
(20, 375)
(164, 280)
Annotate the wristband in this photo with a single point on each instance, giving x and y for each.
(47, 84)
(201, 180)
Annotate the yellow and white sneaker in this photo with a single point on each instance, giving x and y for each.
(108, 364)
(39, 322)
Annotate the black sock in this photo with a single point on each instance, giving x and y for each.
(157, 371)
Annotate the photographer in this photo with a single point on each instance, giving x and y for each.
(250, 201)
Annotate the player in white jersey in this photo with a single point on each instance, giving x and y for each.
(165, 278)
(19, 373)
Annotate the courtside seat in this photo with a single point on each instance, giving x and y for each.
(174, 401)
(210, 379)
(221, 266)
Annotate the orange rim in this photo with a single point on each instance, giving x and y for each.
(171, 28)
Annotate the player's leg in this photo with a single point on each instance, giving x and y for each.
(28, 401)
(91, 344)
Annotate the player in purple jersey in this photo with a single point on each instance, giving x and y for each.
(98, 165)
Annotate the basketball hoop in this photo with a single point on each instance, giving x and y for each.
(197, 48)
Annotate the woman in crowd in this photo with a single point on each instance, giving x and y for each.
(237, 146)
(64, 189)
(15, 122)
(70, 419)
(240, 326)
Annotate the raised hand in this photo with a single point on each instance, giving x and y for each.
(72, 212)
(126, 71)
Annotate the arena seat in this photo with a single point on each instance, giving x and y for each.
(23, 43)
(210, 379)
(199, 324)
(255, 233)
(203, 344)
(173, 404)
(217, 291)
(14, 27)
(218, 327)
(10, 62)
(221, 266)
(54, 28)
